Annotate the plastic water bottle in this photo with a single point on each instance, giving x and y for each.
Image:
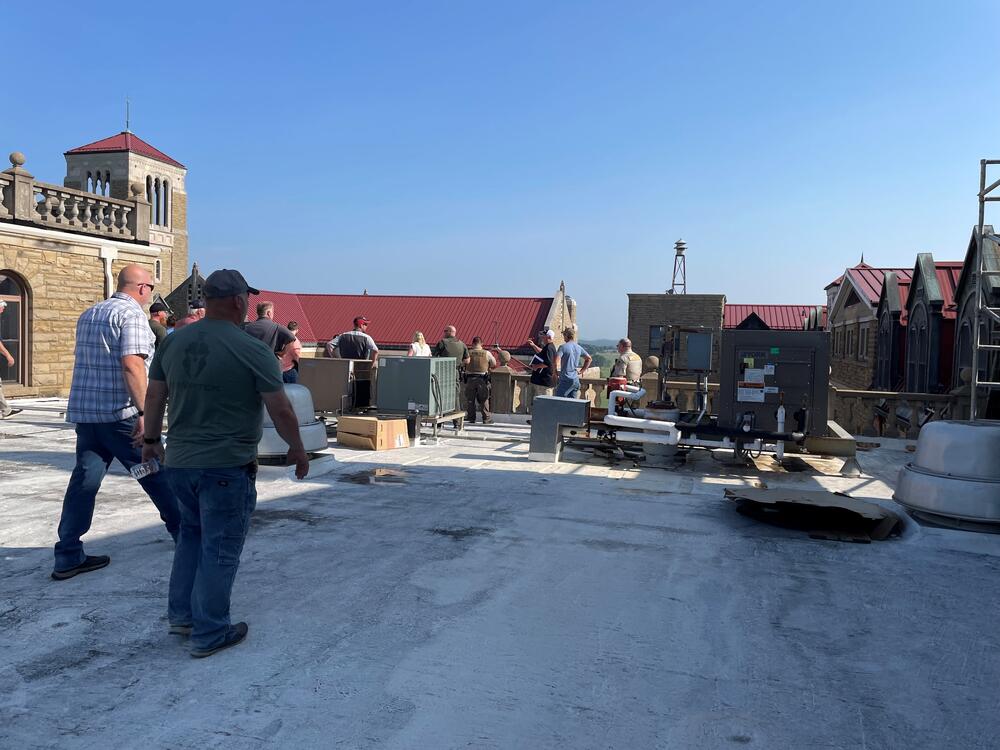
(145, 469)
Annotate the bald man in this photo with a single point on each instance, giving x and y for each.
(114, 346)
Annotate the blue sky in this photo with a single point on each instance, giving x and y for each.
(498, 148)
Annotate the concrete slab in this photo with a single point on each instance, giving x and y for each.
(491, 602)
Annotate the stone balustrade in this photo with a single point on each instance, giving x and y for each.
(27, 201)
(893, 414)
(510, 391)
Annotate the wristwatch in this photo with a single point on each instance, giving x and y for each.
(150, 441)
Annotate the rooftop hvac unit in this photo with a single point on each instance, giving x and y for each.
(342, 385)
(427, 385)
(759, 370)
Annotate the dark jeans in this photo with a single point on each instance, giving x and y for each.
(97, 445)
(215, 514)
(290, 376)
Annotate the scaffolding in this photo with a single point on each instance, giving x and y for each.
(984, 312)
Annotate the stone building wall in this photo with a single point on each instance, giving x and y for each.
(855, 368)
(64, 275)
(648, 310)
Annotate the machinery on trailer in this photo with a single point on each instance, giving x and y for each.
(772, 391)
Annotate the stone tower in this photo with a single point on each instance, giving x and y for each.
(107, 167)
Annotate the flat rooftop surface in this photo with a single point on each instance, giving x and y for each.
(479, 600)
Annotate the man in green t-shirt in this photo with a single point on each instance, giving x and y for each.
(215, 377)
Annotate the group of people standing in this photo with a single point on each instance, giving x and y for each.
(216, 372)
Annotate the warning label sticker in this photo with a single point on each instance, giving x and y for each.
(750, 395)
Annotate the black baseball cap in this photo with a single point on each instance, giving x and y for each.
(158, 307)
(226, 282)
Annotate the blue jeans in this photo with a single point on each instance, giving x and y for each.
(215, 514)
(97, 445)
(290, 376)
(568, 388)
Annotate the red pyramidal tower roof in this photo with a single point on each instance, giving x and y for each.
(126, 141)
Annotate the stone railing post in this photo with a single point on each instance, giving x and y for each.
(138, 218)
(502, 391)
(21, 205)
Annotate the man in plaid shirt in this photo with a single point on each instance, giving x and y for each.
(114, 346)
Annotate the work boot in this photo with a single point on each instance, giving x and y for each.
(237, 633)
(90, 562)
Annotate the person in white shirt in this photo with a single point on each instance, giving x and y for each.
(419, 347)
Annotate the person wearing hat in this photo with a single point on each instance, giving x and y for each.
(113, 349)
(215, 379)
(5, 409)
(543, 368)
(158, 321)
(196, 311)
(354, 344)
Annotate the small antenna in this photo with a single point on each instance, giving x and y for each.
(127, 114)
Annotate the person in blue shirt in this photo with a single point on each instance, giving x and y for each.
(570, 355)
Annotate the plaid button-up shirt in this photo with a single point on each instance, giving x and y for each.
(105, 333)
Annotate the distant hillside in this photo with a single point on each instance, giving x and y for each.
(599, 344)
(604, 352)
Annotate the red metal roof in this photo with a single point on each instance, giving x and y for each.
(286, 308)
(948, 273)
(870, 280)
(904, 293)
(840, 278)
(395, 318)
(777, 317)
(126, 141)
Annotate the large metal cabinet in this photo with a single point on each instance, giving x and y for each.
(760, 369)
(428, 385)
(337, 385)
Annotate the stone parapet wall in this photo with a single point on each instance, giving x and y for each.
(891, 413)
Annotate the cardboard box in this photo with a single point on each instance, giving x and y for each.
(371, 433)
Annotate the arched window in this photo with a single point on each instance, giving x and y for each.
(13, 330)
(166, 202)
(149, 197)
(917, 345)
(883, 368)
(107, 183)
(156, 200)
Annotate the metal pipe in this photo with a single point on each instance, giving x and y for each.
(634, 393)
(653, 425)
(647, 437)
(780, 452)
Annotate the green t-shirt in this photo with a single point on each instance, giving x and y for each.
(449, 346)
(215, 374)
